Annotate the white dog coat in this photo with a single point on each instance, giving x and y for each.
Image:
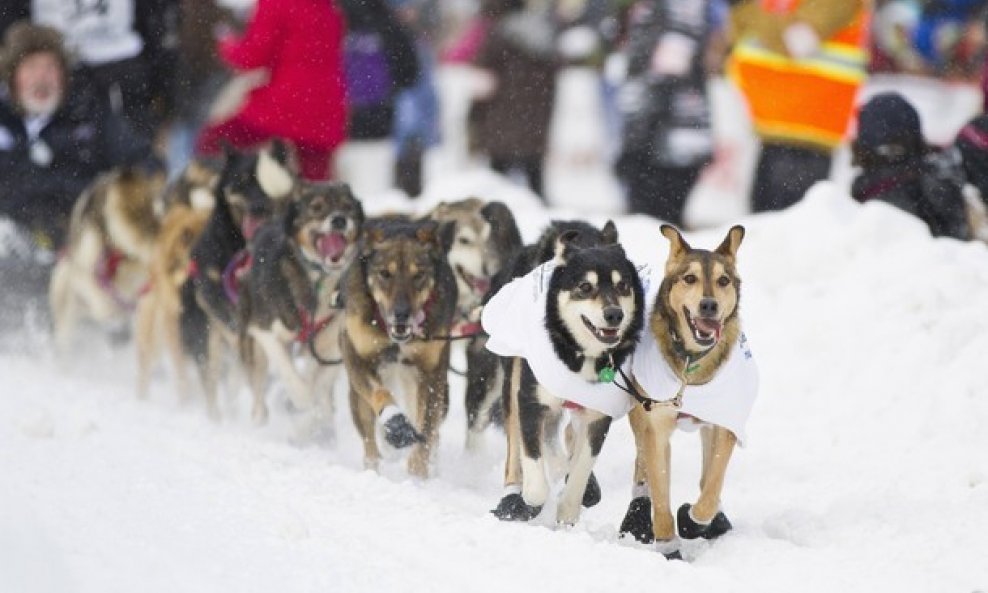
(726, 400)
(514, 319)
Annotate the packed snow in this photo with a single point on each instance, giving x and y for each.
(865, 468)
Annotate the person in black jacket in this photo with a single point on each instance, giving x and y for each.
(667, 137)
(54, 137)
(898, 167)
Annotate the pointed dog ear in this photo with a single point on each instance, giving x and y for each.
(375, 235)
(729, 247)
(610, 233)
(563, 250)
(678, 247)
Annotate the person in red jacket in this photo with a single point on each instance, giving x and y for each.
(299, 42)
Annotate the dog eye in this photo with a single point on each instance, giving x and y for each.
(585, 288)
(689, 278)
(623, 287)
(723, 281)
(464, 241)
(384, 274)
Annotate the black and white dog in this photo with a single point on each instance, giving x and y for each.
(567, 326)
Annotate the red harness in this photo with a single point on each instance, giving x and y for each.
(106, 272)
(311, 327)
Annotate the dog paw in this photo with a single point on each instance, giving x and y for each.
(514, 508)
(638, 520)
(591, 494)
(669, 549)
(689, 528)
(400, 433)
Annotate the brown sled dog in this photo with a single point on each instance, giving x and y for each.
(400, 297)
(291, 294)
(105, 264)
(693, 368)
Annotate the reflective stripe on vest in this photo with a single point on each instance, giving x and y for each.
(809, 100)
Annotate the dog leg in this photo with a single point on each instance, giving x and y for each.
(589, 431)
(433, 404)
(638, 519)
(658, 426)
(147, 323)
(704, 519)
(210, 370)
(484, 385)
(173, 342)
(364, 419)
(532, 416)
(512, 506)
(277, 355)
(256, 363)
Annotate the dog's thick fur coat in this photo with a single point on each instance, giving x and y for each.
(695, 323)
(400, 300)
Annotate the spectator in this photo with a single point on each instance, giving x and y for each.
(298, 42)
(667, 136)
(54, 138)
(127, 49)
(898, 167)
(512, 119)
(972, 143)
(799, 63)
(417, 107)
(200, 76)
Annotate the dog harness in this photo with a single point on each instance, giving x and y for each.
(515, 319)
(726, 400)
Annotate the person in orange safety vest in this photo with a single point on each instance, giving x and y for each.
(800, 64)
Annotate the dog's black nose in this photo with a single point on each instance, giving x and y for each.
(402, 313)
(613, 315)
(708, 307)
(338, 223)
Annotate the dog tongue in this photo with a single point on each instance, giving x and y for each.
(250, 226)
(708, 326)
(481, 285)
(331, 245)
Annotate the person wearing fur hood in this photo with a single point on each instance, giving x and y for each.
(55, 136)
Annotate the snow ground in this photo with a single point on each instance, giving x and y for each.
(866, 468)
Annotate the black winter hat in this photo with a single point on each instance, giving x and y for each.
(25, 38)
(972, 142)
(888, 129)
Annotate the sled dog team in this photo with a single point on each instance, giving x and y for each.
(250, 272)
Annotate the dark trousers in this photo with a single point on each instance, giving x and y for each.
(657, 190)
(530, 167)
(784, 173)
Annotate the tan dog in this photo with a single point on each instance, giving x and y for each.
(159, 308)
(105, 264)
(692, 369)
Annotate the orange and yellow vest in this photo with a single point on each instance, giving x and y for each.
(806, 101)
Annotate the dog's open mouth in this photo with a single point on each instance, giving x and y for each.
(405, 330)
(331, 247)
(705, 331)
(478, 284)
(607, 335)
(250, 225)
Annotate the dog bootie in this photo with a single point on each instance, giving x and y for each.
(689, 528)
(592, 494)
(669, 549)
(398, 431)
(638, 520)
(514, 508)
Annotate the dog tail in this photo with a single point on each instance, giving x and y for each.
(193, 324)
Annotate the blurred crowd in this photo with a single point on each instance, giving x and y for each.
(88, 85)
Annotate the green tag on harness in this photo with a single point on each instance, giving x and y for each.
(691, 368)
(606, 375)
